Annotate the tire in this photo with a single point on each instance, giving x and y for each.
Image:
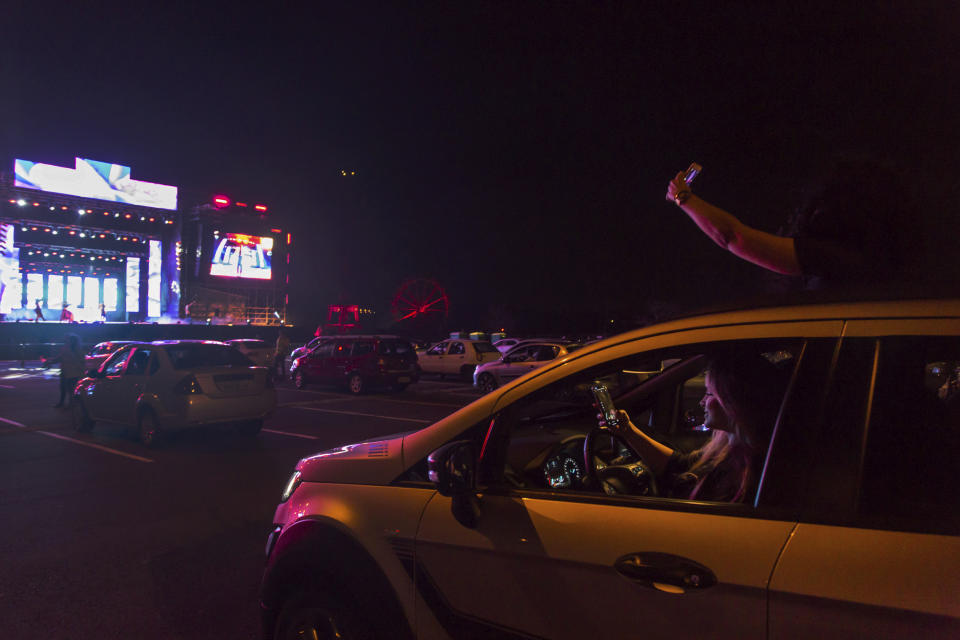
(466, 373)
(316, 613)
(148, 431)
(355, 384)
(250, 428)
(299, 379)
(81, 420)
(486, 382)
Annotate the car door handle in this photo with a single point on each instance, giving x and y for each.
(664, 571)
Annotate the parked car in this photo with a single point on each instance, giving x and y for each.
(95, 357)
(518, 516)
(358, 362)
(457, 357)
(167, 386)
(522, 359)
(506, 344)
(260, 352)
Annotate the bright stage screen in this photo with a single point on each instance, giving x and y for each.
(94, 179)
(236, 255)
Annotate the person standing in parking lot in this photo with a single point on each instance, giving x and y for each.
(283, 350)
(857, 227)
(71, 362)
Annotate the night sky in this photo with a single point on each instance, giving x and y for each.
(518, 152)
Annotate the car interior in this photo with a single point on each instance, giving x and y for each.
(555, 440)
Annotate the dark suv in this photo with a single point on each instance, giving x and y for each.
(358, 362)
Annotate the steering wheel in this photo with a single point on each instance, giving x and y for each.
(634, 478)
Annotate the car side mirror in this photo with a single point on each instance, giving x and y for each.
(453, 470)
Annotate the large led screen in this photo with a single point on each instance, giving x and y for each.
(237, 255)
(94, 179)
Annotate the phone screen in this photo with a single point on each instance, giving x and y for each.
(608, 412)
(692, 172)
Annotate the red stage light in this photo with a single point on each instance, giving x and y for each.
(276, 230)
(127, 216)
(106, 213)
(36, 204)
(289, 239)
(218, 201)
(260, 207)
(102, 235)
(151, 219)
(240, 204)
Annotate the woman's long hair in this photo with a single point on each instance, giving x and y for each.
(750, 388)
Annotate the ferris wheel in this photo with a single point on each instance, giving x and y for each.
(419, 299)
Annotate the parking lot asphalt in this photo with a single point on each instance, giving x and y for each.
(106, 538)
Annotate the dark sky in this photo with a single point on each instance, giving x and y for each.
(518, 152)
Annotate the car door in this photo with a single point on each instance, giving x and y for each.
(314, 362)
(125, 391)
(516, 363)
(455, 358)
(877, 553)
(432, 359)
(556, 563)
(102, 394)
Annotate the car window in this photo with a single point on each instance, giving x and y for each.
(394, 347)
(324, 350)
(484, 347)
(113, 366)
(546, 352)
(362, 347)
(252, 344)
(913, 439)
(456, 348)
(137, 365)
(191, 356)
(438, 349)
(544, 436)
(518, 354)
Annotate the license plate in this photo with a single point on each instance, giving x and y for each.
(403, 379)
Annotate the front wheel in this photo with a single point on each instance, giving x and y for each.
(486, 382)
(148, 431)
(317, 614)
(355, 383)
(299, 379)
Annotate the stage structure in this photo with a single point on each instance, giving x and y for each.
(235, 264)
(87, 236)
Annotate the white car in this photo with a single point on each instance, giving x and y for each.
(457, 357)
(518, 516)
(173, 385)
(522, 359)
(260, 352)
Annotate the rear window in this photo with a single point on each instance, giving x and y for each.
(394, 347)
(190, 356)
(484, 347)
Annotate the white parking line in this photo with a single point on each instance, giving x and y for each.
(368, 415)
(7, 386)
(426, 404)
(81, 442)
(95, 446)
(289, 433)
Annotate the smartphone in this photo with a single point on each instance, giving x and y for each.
(692, 172)
(608, 412)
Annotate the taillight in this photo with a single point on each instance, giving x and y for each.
(381, 364)
(188, 386)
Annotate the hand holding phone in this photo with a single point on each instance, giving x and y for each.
(692, 172)
(609, 417)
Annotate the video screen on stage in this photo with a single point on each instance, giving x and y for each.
(237, 255)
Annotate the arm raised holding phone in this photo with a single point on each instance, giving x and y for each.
(764, 249)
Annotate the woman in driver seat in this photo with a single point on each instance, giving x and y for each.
(741, 401)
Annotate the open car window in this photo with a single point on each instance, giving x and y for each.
(543, 435)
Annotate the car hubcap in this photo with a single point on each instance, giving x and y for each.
(356, 384)
(315, 624)
(486, 383)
